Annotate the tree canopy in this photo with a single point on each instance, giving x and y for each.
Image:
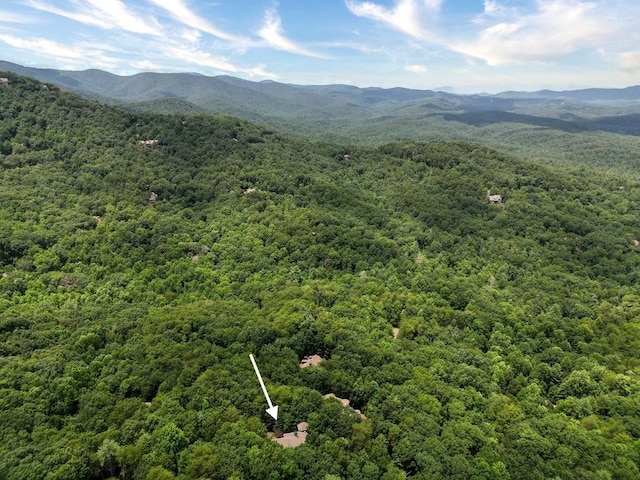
(126, 323)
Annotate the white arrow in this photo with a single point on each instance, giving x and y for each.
(272, 410)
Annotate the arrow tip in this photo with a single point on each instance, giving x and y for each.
(273, 411)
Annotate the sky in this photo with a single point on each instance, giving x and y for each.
(466, 46)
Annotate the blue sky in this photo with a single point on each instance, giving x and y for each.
(469, 45)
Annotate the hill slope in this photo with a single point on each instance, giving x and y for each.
(126, 323)
(593, 127)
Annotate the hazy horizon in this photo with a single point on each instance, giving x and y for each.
(469, 47)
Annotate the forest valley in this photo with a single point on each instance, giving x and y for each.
(136, 279)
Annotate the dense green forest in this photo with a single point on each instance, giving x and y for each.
(594, 127)
(568, 134)
(126, 324)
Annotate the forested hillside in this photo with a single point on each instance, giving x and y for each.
(127, 319)
(593, 127)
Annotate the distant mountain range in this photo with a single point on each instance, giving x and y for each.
(523, 123)
(584, 95)
(268, 98)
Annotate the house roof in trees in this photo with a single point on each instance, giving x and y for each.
(311, 361)
(151, 143)
(345, 403)
(292, 439)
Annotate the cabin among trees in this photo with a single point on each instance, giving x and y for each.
(345, 403)
(151, 143)
(493, 198)
(312, 361)
(4, 81)
(293, 439)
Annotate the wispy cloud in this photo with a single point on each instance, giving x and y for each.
(506, 32)
(630, 61)
(361, 47)
(416, 68)
(206, 59)
(146, 65)
(405, 16)
(491, 7)
(112, 15)
(202, 58)
(12, 17)
(187, 45)
(271, 32)
(180, 11)
(49, 48)
(555, 29)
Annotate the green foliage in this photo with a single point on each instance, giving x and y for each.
(126, 325)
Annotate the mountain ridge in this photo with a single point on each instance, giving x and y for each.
(520, 123)
(59, 76)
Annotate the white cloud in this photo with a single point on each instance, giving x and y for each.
(154, 48)
(355, 46)
(199, 57)
(49, 48)
(206, 59)
(123, 18)
(179, 10)
(146, 65)
(630, 61)
(271, 32)
(405, 16)
(190, 35)
(416, 68)
(555, 29)
(260, 72)
(493, 7)
(112, 15)
(507, 32)
(11, 17)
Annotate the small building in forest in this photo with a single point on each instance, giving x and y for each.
(293, 439)
(151, 143)
(312, 361)
(493, 198)
(346, 403)
(4, 81)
